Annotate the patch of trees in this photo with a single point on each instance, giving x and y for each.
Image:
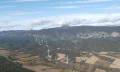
(7, 66)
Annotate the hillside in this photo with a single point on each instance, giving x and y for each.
(7, 66)
(69, 39)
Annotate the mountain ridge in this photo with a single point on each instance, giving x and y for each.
(102, 38)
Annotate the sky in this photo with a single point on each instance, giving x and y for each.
(43, 14)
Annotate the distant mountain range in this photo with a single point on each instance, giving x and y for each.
(78, 38)
(68, 33)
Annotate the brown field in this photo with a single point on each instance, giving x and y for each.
(39, 68)
(99, 70)
(4, 53)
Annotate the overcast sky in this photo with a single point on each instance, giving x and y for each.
(39, 14)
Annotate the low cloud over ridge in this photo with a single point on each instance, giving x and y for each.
(72, 20)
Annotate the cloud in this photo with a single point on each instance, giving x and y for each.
(5, 18)
(41, 22)
(71, 19)
(87, 1)
(67, 7)
(25, 13)
(6, 6)
(77, 20)
(26, 0)
(113, 7)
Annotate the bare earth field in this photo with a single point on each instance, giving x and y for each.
(4, 53)
(39, 68)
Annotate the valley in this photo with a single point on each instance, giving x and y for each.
(71, 49)
(88, 62)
